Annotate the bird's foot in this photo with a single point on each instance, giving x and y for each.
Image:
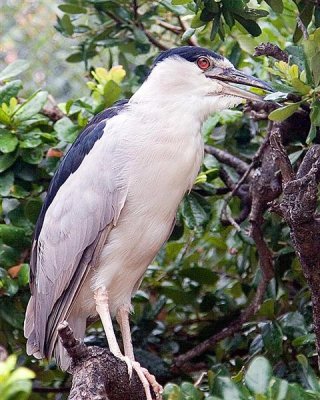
(145, 377)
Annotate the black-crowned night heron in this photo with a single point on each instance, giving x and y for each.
(111, 204)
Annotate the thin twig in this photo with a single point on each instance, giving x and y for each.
(271, 50)
(227, 158)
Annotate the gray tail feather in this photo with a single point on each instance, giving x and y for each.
(78, 325)
(33, 345)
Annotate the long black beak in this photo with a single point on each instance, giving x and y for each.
(232, 75)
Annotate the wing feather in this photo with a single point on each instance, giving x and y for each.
(71, 231)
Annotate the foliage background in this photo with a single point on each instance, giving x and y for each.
(209, 271)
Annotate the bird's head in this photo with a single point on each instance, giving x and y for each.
(200, 77)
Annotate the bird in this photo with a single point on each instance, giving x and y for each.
(112, 203)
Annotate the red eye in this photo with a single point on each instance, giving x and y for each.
(203, 63)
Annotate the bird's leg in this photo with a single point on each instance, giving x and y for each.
(146, 378)
(102, 307)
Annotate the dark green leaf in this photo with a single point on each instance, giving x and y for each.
(276, 5)
(179, 296)
(32, 209)
(251, 26)
(215, 26)
(200, 275)
(272, 338)
(32, 156)
(6, 160)
(11, 235)
(195, 211)
(66, 24)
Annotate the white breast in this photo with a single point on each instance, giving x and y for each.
(162, 162)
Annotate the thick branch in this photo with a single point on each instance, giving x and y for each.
(97, 373)
(298, 208)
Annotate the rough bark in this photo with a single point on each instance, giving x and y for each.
(298, 208)
(97, 373)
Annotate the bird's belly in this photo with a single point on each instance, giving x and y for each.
(145, 222)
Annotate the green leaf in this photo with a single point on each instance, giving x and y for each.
(6, 183)
(195, 211)
(8, 141)
(272, 338)
(31, 107)
(32, 156)
(276, 5)
(180, 2)
(280, 114)
(66, 130)
(11, 235)
(4, 117)
(300, 87)
(31, 140)
(111, 93)
(72, 9)
(278, 389)
(178, 296)
(258, 376)
(66, 24)
(172, 392)
(9, 90)
(251, 26)
(315, 113)
(14, 69)
(229, 389)
(189, 392)
(309, 377)
(6, 160)
(200, 275)
(187, 34)
(215, 26)
(305, 339)
(32, 209)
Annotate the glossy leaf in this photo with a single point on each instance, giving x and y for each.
(8, 141)
(258, 375)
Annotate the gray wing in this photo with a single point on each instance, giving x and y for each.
(74, 228)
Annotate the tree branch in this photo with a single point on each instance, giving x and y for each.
(271, 50)
(226, 158)
(97, 373)
(298, 208)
